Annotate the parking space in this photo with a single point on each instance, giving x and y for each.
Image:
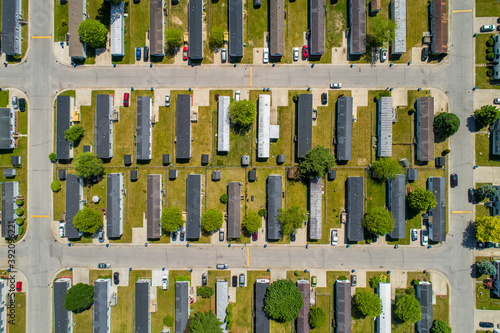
(80, 275)
(485, 97)
(277, 274)
(480, 21)
(320, 276)
(157, 277)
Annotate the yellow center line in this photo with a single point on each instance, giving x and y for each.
(461, 212)
(40, 216)
(41, 37)
(462, 11)
(250, 76)
(248, 249)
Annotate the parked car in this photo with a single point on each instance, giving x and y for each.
(335, 237)
(488, 27)
(164, 282)
(104, 265)
(324, 98)
(174, 236)
(292, 236)
(223, 55)
(237, 95)
(221, 234)
(222, 266)
(19, 286)
(234, 281)
(454, 180)
(305, 52)
(167, 100)
(126, 99)
(414, 234)
(425, 53)
(489, 245)
(101, 236)
(354, 280)
(185, 53)
(480, 244)
(14, 102)
(138, 53)
(336, 85)
(424, 237)
(181, 237)
(496, 101)
(314, 281)
(471, 193)
(242, 280)
(116, 278)
(383, 54)
(255, 236)
(61, 231)
(146, 53)
(203, 279)
(295, 54)
(486, 324)
(265, 57)
(22, 104)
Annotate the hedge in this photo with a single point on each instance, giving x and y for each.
(20, 212)
(19, 202)
(20, 221)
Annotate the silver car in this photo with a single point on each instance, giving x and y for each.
(222, 266)
(295, 54)
(14, 102)
(266, 55)
(167, 100)
(223, 55)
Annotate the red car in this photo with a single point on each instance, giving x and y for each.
(255, 236)
(305, 51)
(19, 286)
(126, 97)
(185, 53)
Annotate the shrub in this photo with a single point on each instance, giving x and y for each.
(377, 97)
(20, 221)
(52, 156)
(317, 317)
(252, 222)
(295, 98)
(229, 309)
(20, 230)
(374, 281)
(19, 202)
(490, 56)
(55, 186)
(262, 212)
(415, 282)
(230, 325)
(489, 50)
(19, 212)
(489, 72)
(205, 292)
(342, 278)
(79, 298)
(296, 273)
(445, 152)
(216, 38)
(180, 278)
(223, 198)
(168, 321)
(490, 42)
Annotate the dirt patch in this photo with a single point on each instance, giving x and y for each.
(176, 20)
(362, 161)
(338, 19)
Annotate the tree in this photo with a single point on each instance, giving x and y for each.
(421, 199)
(487, 114)
(262, 212)
(369, 304)
(485, 267)
(205, 292)
(216, 37)
(242, 113)
(317, 162)
(211, 220)
(87, 220)
(408, 309)
(488, 229)
(383, 31)
(252, 222)
(204, 322)
(19, 212)
(93, 33)
(283, 301)
(173, 38)
(224, 199)
(446, 124)
(439, 326)
(79, 298)
(19, 202)
(171, 219)
(52, 157)
(55, 186)
(378, 221)
(88, 165)
(317, 317)
(386, 168)
(374, 281)
(486, 191)
(291, 219)
(74, 133)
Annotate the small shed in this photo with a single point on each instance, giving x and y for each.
(15, 161)
(134, 175)
(172, 174)
(440, 161)
(404, 162)
(412, 175)
(216, 175)
(205, 159)
(9, 173)
(87, 148)
(127, 160)
(280, 159)
(62, 174)
(332, 175)
(166, 159)
(245, 160)
(252, 175)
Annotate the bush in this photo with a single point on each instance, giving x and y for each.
(296, 273)
(421, 199)
(295, 98)
(168, 321)
(173, 39)
(262, 212)
(374, 281)
(52, 156)
(180, 278)
(229, 309)
(93, 33)
(317, 317)
(20, 221)
(489, 72)
(445, 152)
(223, 198)
(19, 202)
(415, 282)
(377, 97)
(489, 50)
(378, 221)
(408, 309)
(55, 186)
(230, 325)
(205, 292)
(171, 219)
(317, 162)
(216, 37)
(74, 133)
(19, 212)
(79, 298)
(386, 168)
(490, 56)
(20, 230)
(369, 304)
(342, 278)
(446, 124)
(485, 267)
(490, 42)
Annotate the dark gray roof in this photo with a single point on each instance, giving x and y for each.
(102, 293)
(61, 315)
(343, 306)
(424, 295)
(396, 204)
(439, 26)
(181, 305)
(344, 128)
(11, 28)
(156, 28)
(304, 124)
(127, 159)
(195, 21)
(77, 10)
(440, 161)
(357, 36)
(62, 174)
(317, 26)
(183, 127)
(142, 314)
(216, 175)
(315, 207)
(495, 138)
(6, 130)
(154, 206)
(277, 28)
(412, 175)
(74, 189)
(87, 148)
(274, 202)
(134, 175)
(172, 174)
(262, 321)
(64, 105)
(303, 318)
(355, 208)
(166, 159)
(15, 160)
(205, 158)
(235, 28)
(144, 139)
(332, 175)
(425, 129)
(9, 173)
(252, 175)
(104, 126)
(280, 159)
(114, 205)
(234, 210)
(437, 215)
(193, 207)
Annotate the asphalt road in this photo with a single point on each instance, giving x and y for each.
(39, 256)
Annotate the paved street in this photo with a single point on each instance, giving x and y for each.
(39, 257)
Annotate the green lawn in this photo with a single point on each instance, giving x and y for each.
(219, 14)
(482, 210)
(487, 8)
(254, 27)
(60, 21)
(4, 98)
(139, 25)
(483, 152)
(481, 47)
(19, 323)
(417, 23)
(257, 189)
(83, 321)
(295, 27)
(482, 81)
(484, 301)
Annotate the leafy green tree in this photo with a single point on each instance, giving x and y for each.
(291, 219)
(283, 301)
(211, 220)
(317, 317)
(205, 292)
(382, 31)
(88, 165)
(369, 304)
(93, 33)
(408, 309)
(79, 298)
(242, 113)
(204, 322)
(378, 221)
(216, 37)
(439, 326)
(486, 191)
(421, 199)
(171, 219)
(386, 168)
(488, 229)
(262, 212)
(55, 186)
(485, 267)
(446, 124)
(87, 220)
(52, 157)
(224, 199)
(252, 222)
(74, 133)
(487, 114)
(374, 281)
(173, 38)
(317, 162)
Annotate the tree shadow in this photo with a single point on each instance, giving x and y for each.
(104, 14)
(471, 124)
(469, 236)
(356, 314)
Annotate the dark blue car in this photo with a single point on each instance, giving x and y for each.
(138, 53)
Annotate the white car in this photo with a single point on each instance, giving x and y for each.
(488, 27)
(61, 231)
(336, 85)
(335, 237)
(14, 102)
(383, 55)
(266, 55)
(414, 234)
(167, 100)
(237, 95)
(164, 282)
(295, 54)
(424, 237)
